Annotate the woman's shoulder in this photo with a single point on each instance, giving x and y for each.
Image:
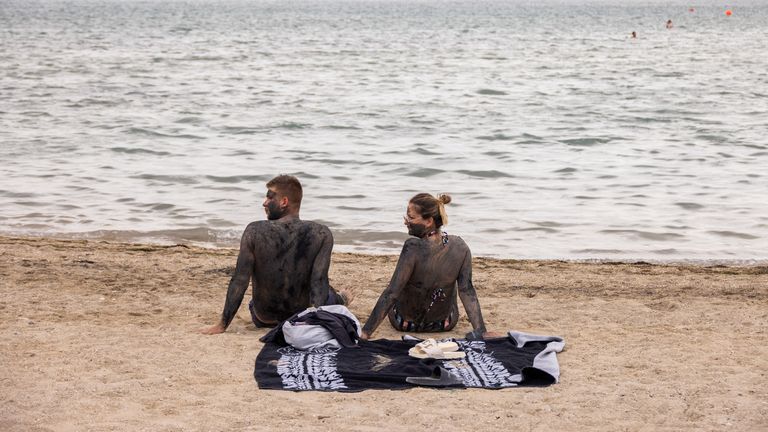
(457, 240)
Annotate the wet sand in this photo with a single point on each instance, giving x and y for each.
(101, 336)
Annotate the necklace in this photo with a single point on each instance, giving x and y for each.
(443, 234)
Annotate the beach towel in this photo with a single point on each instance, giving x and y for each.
(520, 359)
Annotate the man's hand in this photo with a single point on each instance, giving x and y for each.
(364, 335)
(212, 330)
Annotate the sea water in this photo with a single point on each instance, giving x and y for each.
(557, 134)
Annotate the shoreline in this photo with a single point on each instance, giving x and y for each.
(99, 335)
(112, 237)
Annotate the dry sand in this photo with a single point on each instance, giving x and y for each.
(101, 336)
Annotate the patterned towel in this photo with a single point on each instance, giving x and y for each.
(521, 359)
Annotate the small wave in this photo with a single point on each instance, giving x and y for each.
(149, 132)
(185, 120)
(68, 207)
(158, 206)
(646, 234)
(630, 204)
(755, 146)
(100, 102)
(597, 251)
(423, 151)
(332, 161)
(36, 114)
(652, 119)
(241, 153)
(734, 234)
(485, 174)
(30, 203)
(292, 125)
(303, 175)
(203, 58)
(425, 172)
(492, 92)
(139, 151)
(244, 130)
(496, 137)
(9, 194)
(195, 235)
(357, 196)
(356, 236)
(665, 251)
(220, 222)
(713, 138)
(567, 170)
(167, 178)
(181, 29)
(550, 224)
(358, 208)
(341, 127)
(239, 178)
(423, 122)
(542, 229)
(585, 142)
(496, 153)
(689, 205)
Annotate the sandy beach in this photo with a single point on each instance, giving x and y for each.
(102, 336)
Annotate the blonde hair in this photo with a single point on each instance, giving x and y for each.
(434, 207)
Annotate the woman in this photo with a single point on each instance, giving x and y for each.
(433, 267)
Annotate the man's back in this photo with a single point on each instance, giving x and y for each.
(290, 266)
(286, 258)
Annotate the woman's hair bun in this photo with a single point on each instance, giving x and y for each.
(444, 198)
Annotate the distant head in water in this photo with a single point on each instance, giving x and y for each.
(426, 214)
(283, 198)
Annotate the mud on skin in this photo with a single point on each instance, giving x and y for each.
(287, 263)
(425, 267)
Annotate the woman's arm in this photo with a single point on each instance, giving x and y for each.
(400, 278)
(468, 296)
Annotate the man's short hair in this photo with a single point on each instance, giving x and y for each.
(288, 186)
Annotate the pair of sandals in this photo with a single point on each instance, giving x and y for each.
(432, 349)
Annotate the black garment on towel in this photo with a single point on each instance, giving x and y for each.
(342, 327)
(385, 364)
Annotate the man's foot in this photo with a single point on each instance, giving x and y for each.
(214, 329)
(345, 297)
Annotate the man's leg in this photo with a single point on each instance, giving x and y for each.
(336, 298)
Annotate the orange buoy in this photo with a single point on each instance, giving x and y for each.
(728, 12)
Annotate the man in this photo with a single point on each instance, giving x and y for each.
(287, 259)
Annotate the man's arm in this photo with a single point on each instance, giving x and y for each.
(319, 285)
(468, 296)
(400, 278)
(238, 284)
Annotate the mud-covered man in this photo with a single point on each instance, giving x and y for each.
(286, 259)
